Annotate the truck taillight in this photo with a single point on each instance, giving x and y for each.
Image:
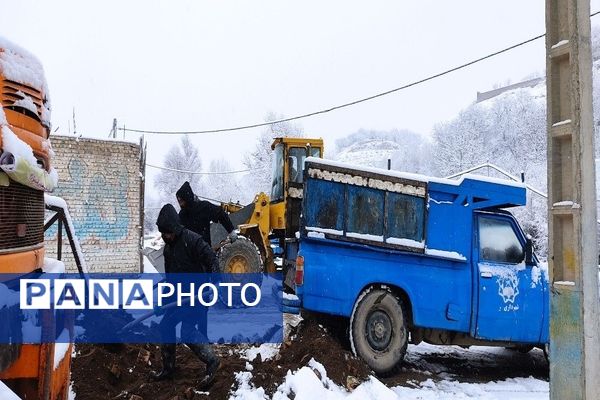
(299, 270)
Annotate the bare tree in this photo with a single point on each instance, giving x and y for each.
(260, 159)
(180, 157)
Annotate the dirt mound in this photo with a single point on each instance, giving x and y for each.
(310, 340)
(121, 371)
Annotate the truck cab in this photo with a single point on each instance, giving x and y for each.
(408, 256)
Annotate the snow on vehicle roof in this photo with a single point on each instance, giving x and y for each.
(19, 65)
(415, 177)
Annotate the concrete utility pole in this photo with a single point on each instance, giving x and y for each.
(574, 309)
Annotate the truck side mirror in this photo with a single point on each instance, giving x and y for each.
(529, 252)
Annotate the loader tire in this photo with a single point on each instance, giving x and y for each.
(238, 259)
(379, 330)
(241, 256)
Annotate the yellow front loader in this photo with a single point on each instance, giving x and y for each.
(268, 219)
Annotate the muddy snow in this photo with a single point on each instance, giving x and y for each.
(312, 363)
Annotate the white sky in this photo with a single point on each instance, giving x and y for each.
(190, 64)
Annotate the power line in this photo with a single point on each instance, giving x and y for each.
(351, 103)
(204, 173)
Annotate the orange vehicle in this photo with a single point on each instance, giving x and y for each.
(31, 371)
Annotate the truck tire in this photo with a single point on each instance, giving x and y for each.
(379, 330)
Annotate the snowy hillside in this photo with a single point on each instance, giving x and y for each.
(371, 152)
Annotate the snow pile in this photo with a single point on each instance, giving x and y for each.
(53, 266)
(311, 382)
(245, 390)
(266, 351)
(19, 65)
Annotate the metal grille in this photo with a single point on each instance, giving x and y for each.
(10, 95)
(21, 216)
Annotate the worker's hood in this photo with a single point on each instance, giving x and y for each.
(186, 193)
(168, 220)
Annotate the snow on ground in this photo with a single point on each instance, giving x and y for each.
(437, 366)
(266, 351)
(512, 388)
(311, 382)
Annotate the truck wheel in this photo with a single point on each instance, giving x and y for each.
(378, 331)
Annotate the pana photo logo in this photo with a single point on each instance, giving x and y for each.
(134, 294)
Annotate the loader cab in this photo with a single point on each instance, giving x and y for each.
(288, 176)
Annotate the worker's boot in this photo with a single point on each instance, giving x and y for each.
(168, 352)
(206, 354)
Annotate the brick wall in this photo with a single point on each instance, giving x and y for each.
(100, 181)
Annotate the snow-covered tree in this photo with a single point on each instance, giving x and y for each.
(180, 157)
(460, 142)
(259, 160)
(508, 131)
(223, 187)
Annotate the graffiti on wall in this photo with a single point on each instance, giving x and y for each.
(97, 201)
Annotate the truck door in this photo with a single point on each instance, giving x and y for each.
(509, 302)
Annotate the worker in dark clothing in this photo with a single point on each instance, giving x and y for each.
(196, 215)
(185, 252)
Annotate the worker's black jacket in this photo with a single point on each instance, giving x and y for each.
(198, 214)
(188, 253)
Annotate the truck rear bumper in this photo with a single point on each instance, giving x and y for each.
(291, 303)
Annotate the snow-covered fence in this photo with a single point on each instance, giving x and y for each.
(100, 181)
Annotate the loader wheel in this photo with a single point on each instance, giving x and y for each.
(378, 331)
(238, 259)
(241, 256)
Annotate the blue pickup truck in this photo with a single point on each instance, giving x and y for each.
(408, 257)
